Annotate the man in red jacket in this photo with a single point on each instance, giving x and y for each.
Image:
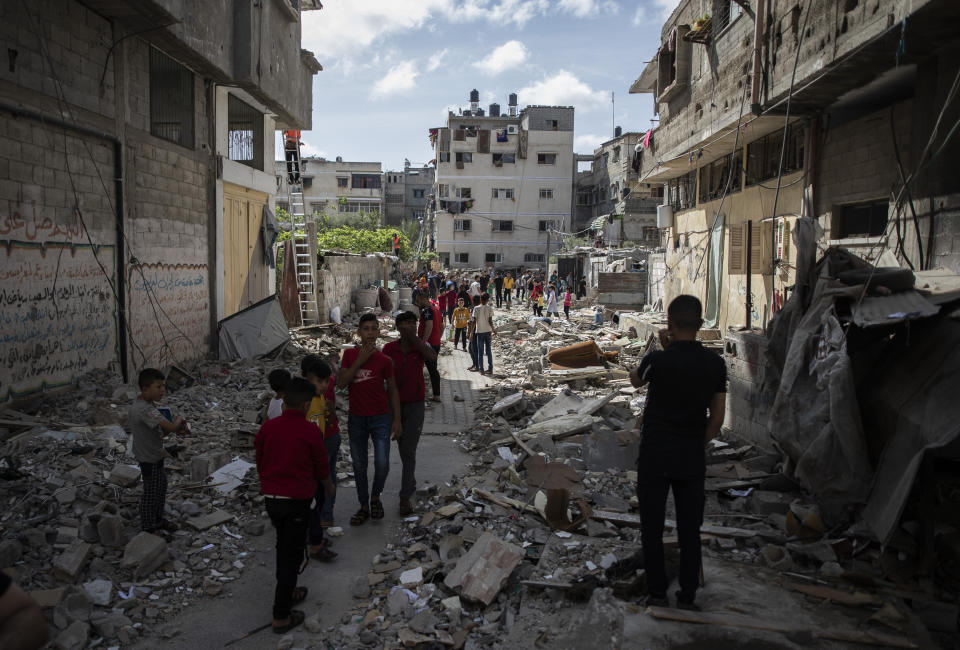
(291, 460)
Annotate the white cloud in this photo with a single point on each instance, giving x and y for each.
(436, 59)
(509, 55)
(399, 79)
(639, 16)
(563, 89)
(584, 143)
(585, 8)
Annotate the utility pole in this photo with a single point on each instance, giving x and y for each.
(613, 115)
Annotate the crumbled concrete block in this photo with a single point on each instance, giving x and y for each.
(100, 591)
(602, 623)
(10, 552)
(215, 518)
(124, 475)
(764, 502)
(511, 407)
(411, 577)
(110, 530)
(145, 553)
(69, 563)
(47, 598)
(74, 637)
(482, 572)
(360, 587)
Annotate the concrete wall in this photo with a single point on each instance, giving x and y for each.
(341, 275)
(747, 407)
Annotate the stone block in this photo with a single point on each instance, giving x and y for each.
(215, 518)
(145, 553)
(124, 475)
(47, 598)
(69, 564)
(74, 637)
(110, 530)
(482, 572)
(10, 552)
(203, 465)
(763, 502)
(100, 591)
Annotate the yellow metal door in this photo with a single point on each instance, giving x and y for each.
(245, 275)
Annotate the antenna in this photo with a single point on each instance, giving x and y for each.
(613, 114)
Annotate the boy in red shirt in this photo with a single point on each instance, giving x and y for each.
(408, 356)
(430, 331)
(373, 397)
(291, 460)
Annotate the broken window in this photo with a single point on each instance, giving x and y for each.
(534, 257)
(499, 225)
(171, 100)
(714, 176)
(724, 13)
(616, 154)
(462, 258)
(495, 258)
(583, 197)
(546, 159)
(683, 191)
(552, 125)
(545, 225)
(462, 225)
(502, 193)
(546, 192)
(860, 220)
(244, 133)
(763, 155)
(444, 156)
(366, 181)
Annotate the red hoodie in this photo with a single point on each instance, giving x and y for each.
(291, 457)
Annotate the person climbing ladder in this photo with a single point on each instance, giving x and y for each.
(291, 149)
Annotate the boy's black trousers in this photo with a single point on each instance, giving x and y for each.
(291, 518)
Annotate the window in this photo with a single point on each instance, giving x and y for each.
(464, 193)
(461, 258)
(443, 190)
(462, 225)
(860, 220)
(307, 182)
(244, 133)
(444, 156)
(318, 207)
(584, 197)
(366, 181)
(763, 155)
(394, 198)
(651, 234)
(501, 226)
(546, 225)
(171, 100)
(683, 191)
(418, 194)
(758, 235)
(418, 214)
(546, 192)
(354, 207)
(502, 192)
(504, 159)
(464, 157)
(714, 176)
(724, 13)
(673, 65)
(552, 125)
(534, 257)
(283, 205)
(342, 181)
(546, 159)
(495, 258)
(616, 154)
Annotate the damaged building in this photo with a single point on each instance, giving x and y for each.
(136, 167)
(809, 200)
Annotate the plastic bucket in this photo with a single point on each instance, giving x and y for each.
(365, 298)
(406, 295)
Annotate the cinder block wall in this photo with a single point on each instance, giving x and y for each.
(341, 275)
(747, 406)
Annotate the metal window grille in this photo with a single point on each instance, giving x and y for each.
(171, 100)
(244, 133)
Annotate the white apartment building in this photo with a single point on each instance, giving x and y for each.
(334, 187)
(504, 188)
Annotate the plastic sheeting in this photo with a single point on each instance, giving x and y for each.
(255, 331)
(714, 274)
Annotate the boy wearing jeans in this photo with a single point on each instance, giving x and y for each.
(483, 315)
(317, 372)
(148, 426)
(291, 460)
(373, 397)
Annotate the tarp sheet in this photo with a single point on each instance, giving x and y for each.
(255, 331)
(714, 273)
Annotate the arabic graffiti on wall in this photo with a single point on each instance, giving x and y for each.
(169, 310)
(57, 311)
(754, 303)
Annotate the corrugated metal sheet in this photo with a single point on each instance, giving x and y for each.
(888, 310)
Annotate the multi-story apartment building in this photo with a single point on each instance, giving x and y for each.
(135, 165)
(334, 188)
(504, 185)
(406, 194)
(611, 201)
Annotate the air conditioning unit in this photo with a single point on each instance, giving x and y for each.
(513, 129)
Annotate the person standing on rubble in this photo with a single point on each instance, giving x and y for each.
(408, 356)
(498, 286)
(147, 427)
(684, 411)
(472, 333)
(430, 332)
(475, 288)
(483, 315)
(552, 301)
(373, 397)
(508, 283)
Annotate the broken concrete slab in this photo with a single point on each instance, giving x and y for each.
(74, 637)
(110, 530)
(482, 572)
(47, 598)
(10, 552)
(210, 520)
(602, 623)
(69, 563)
(511, 406)
(145, 553)
(100, 591)
(124, 475)
(203, 465)
(603, 450)
(412, 577)
(560, 427)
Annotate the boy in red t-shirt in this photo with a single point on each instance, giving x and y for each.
(430, 331)
(291, 460)
(408, 356)
(373, 397)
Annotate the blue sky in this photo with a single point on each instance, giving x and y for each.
(392, 68)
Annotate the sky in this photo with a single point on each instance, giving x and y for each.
(393, 68)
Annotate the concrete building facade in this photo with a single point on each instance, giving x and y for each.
(406, 194)
(504, 188)
(336, 189)
(133, 176)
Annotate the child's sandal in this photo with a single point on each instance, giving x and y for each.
(360, 516)
(376, 509)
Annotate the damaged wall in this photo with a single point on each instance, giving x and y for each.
(341, 275)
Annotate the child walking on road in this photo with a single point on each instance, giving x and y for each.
(318, 372)
(461, 317)
(567, 300)
(291, 460)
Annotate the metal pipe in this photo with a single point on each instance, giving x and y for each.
(121, 291)
(749, 320)
(757, 63)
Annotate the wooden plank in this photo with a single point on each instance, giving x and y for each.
(854, 599)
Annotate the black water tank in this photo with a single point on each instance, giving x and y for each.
(617, 132)
(474, 95)
(513, 99)
(494, 110)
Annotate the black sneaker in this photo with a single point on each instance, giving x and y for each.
(686, 604)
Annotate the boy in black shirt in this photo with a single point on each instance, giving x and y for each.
(686, 382)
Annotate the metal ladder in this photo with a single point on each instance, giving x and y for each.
(306, 287)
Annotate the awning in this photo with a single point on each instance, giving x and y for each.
(888, 310)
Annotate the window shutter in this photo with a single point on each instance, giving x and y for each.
(756, 249)
(737, 261)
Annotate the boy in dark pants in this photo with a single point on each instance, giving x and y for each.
(686, 382)
(408, 356)
(147, 427)
(373, 397)
(291, 460)
(317, 372)
(430, 331)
